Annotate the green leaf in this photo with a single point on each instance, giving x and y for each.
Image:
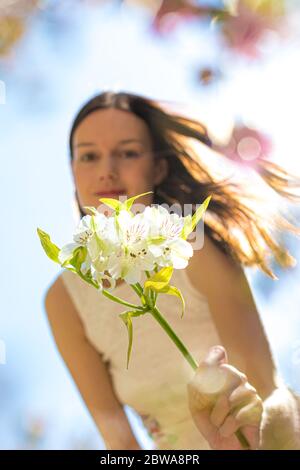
(79, 256)
(128, 204)
(118, 205)
(187, 227)
(126, 317)
(159, 280)
(159, 283)
(111, 202)
(76, 260)
(191, 222)
(172, 290)
(50, 248)
(200, 211)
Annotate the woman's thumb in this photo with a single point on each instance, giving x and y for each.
(208, 380)
(216, 355)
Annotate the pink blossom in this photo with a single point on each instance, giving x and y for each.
(246, 146)
(173, 12)
(245, 31)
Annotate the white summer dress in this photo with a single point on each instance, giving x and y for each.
(155, 383)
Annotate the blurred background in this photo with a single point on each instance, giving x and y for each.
(233, 63)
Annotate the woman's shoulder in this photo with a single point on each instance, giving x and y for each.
(210, 267)
(56, 293)
(59, 305)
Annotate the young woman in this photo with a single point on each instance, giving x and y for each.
(124, 144)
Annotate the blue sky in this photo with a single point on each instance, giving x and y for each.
(51, 73)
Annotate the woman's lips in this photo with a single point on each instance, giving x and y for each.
(110, 193)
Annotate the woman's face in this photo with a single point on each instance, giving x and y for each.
(112, 151)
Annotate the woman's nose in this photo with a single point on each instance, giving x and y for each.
(107, 169)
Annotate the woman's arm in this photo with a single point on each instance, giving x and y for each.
(87, 369)
(241, 332)
(281, 420)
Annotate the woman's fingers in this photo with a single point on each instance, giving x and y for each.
(220, 411)
(251, 413)
(242, 409)
(241, 395)
(247, 415)
(229, 427)
(253, 435)
(203, 423)
(234, 378)
(222, 401)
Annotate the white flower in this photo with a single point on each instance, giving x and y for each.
(165, 242)
(104, 239)
(124, 245)
(86, 265)
(83, 233)
(174, 253)
(132, 256)
(163, 224)
(66, 252)
(99, 276)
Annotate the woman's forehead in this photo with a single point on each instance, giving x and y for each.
(111, 125)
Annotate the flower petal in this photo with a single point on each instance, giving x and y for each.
(66, 252)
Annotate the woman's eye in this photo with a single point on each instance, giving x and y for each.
(87, 157)
(131, 153)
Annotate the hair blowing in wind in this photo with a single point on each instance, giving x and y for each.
(233, 221)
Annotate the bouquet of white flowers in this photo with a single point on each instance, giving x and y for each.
(123, 246)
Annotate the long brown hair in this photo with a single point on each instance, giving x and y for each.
(231, 221)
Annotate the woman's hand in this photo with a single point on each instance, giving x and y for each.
(222, 402)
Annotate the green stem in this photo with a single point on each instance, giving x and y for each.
(139, 287)
(165, 325)
(120, 301)
(140, 291)
(136, 289)
(243, 441)
(163, 322)
(153, 294)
